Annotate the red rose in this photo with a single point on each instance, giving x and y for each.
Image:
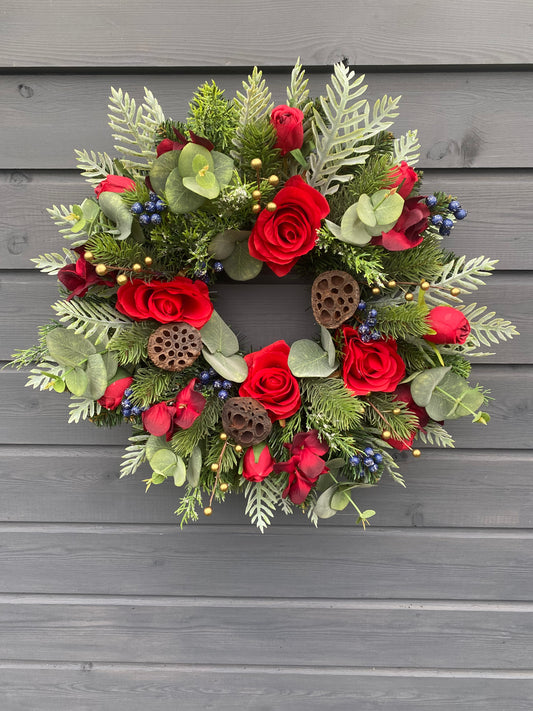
(288, 124)
(370, 367)
(166, 301)
(114, 393)
(163, 419)
(305, 465)
(403, 394)
(280, 237)
(257, 463)
(451, 325)
(114, 184)
(271, 382)
(403, 177)
(167, 144)
(407, 232)
(78, 277)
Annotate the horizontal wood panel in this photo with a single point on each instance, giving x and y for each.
(444, 488)
(34, 417)
(229, 34)
(188, 634)
(498, 223)
(139, 688)
(473, 119)
(262, 313)
(285, 562)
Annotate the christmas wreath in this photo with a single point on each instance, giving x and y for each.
(320, 186)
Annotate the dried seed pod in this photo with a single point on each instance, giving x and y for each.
(174, 346)
(245, 420)
(334, 298)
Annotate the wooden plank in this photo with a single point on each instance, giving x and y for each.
(176, 633)
(498, 221)
(262, 313)
(93, 687)
(68, 34)
(444, 488)
(465, 120)
(33, 417)
(287, 562)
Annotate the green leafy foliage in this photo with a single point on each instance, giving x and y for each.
(329, 404)
(261, 500)
(407, 148)
(91, 317)
(52, 263)
(467, 275)
(134, 455)
(403, 319)
(487, 327)
(212, 116)
(131, 344)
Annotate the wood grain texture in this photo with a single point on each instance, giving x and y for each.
(288, 562)
(444, 488)
(261, 313)
(229, 34)
(87, 686)
(496, 202)
(190, 633)
(465, 119)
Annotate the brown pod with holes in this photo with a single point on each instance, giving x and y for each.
(174, 346)
(245, 420)
(334, 298)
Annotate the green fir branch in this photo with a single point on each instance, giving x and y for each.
(189, 504)
(212, 116)
(184, 441)
(121, 254)
(327, 401)
(131, 344)
(403, 319)
(379, 415)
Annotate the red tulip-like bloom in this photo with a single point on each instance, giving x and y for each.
(304, 466)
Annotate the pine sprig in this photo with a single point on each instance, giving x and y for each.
(153, 385)
(189, 503)
(401, 320)
(426, 261)
(184, 441)
(212, 116)
(328, 403)
(131, 344)
(380, 406)
(107, 250)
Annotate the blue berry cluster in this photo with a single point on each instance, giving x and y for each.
(210, 378)
(368, 329)
(149, 213)
(444, 223)
(127, 408)
(202, 271)
(367, 463)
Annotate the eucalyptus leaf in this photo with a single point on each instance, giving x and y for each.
(308, 360)
(340, 500)
(232, 367)
(154, 444)
(424, 384)
(179, 199)
(194, 466)
(387, 206)
(96, 376)
(334, 464)
(68, 348)
(365, 211)
(111, 364)
(162, 168)
(90, 209)
(180, 472)
(205, 185)
(77, 381)
(223, 167)
(352, 229)
(240, 265)
(453, 398)
(223, 244)
(59, 385)
(217, 336)
(114, 207)
(164, 461)
(323, 508)
(193, 158)
(333, 228)
(329, 346)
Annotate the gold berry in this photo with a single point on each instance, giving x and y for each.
(148, 261)
(223, 436)
(256, 194)
(455, 291)
(238, 448)
(386, 434)
(208, 511)
(273, 180)
(256, 164)
(88, 256)
(224, 487)
(396, 411)
(416, 452)
(122, 279)
(425, 285)
(100, 269)
(392, 284)
(272, 207)
(136, 267)
(376, 290)
(214, 467)
(409, 296)
(256, 208)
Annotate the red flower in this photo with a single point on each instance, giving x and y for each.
(402, 444)
(114, 393)
(166, 301)
(451, 325)
(271, 382)
(280, 237)
(407, 232)
(257, 463)
(288, 124)
(403, 394)
(78, 277)
(305, 465)
(164, 419)
(167, 144)
(114, 184)
(403, 177)
(370, 367)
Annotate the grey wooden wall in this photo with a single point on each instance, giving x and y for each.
(105, 605)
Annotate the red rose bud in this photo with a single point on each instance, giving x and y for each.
(370, 367)
(407, 232)
(450, 324)
(166, 301)
(78, 277)
(189, 406)
(114, 393)
(402, 177)
(270, 381)
(168, 144)
(257, 463)
(279, 238)
(305, 465)
(288, 124)
(114, 184)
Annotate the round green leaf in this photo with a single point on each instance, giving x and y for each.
(323, 508)
(180, 472)
(193, 158)
(240, 265)
(77, 381)
(68, 348)
(387, 207)
(218, 336)
(118, 212)
(328, 346)
(352, 229)
(179, 199)
(340, 500)
(161, 169)
(365, 211)
(424, 384)
(223, 168)
(194, 466)
(59, 385)
(453, 398)
(223, 244)
(164, 461)
(154, 444)
(308, 360)
(97, 376)
(232, 368)
(205, 185)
